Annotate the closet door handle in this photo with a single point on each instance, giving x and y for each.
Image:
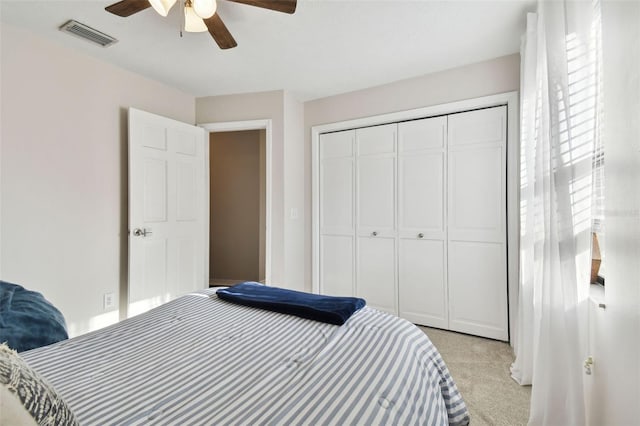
(374, 233)
(421, 235)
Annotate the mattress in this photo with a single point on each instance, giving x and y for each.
(199, 360)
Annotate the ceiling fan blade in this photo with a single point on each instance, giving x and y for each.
(286, 6)
(219, 32)
(126, 8)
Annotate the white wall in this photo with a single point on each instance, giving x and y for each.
(287, 234)
(64, 179)
(485, 78)
(63, 172)
(294, 255)
(258, 106)
(615, 332)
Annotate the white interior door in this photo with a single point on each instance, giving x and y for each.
(422, 238)
(477, 268)
(376, 217)
(166, 210)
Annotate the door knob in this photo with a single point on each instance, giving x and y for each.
(421, 235)
(374, 233)
(141, 232)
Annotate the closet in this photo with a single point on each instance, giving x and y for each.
(412, 217)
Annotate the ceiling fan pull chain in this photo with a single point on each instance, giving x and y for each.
(183, 21)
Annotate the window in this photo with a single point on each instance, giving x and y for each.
(584, 62)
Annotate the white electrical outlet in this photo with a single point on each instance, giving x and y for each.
(109, 301)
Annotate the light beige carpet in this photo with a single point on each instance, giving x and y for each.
(480, 368)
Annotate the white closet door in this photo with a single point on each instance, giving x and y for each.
(337, 230)
(422, 241)
(477, 269)
(376, 218)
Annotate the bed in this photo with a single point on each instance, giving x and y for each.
(202, 360)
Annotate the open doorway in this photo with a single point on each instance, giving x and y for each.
(237, 240)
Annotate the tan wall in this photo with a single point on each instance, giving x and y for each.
(482, 79)
(235, 205)
(263, 207)
(63, 171)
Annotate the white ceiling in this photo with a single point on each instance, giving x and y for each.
(327, 47)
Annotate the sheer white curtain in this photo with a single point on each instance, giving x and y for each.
(560, 94)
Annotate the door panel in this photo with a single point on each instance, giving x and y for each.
(152, 136)
(336, 247)
(422, 282)
(422, 285)
(184, 142)
(376, 194)
(336, 195)
(421, 192)
(186, 191)
(337, 145)
(376, 217)
(477, 194)
(337, 265)
(166, 210)
(376, 273)
(376, 140)
(150, 277)
(419, 135)
(485, 126)
(477, 228)
(478, 289)
(155, 190)
(186, 265)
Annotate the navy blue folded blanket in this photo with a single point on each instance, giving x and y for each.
(329, 309)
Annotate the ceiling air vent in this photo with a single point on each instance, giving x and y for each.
(94, 36)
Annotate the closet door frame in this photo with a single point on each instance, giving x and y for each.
(510, 99)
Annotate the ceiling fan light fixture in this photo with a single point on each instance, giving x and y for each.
(205, 8)
(162, 6)
(192, 22)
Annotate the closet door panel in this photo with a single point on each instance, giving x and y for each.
(419, 135)
(376, 194)
(477, 194)
(377, 272)
(336, 247)
(422, 281)
(421, 192)
(485, 126)
(337, 265)
(422, 286)
(336, 195)
(376, 216)
(478, 289)
(337, 144)
(477, 230)
(376, 140)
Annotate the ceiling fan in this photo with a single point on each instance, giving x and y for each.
(200, 15)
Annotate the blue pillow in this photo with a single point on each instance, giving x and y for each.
(27, 319)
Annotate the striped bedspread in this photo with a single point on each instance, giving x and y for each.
(199, 360)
